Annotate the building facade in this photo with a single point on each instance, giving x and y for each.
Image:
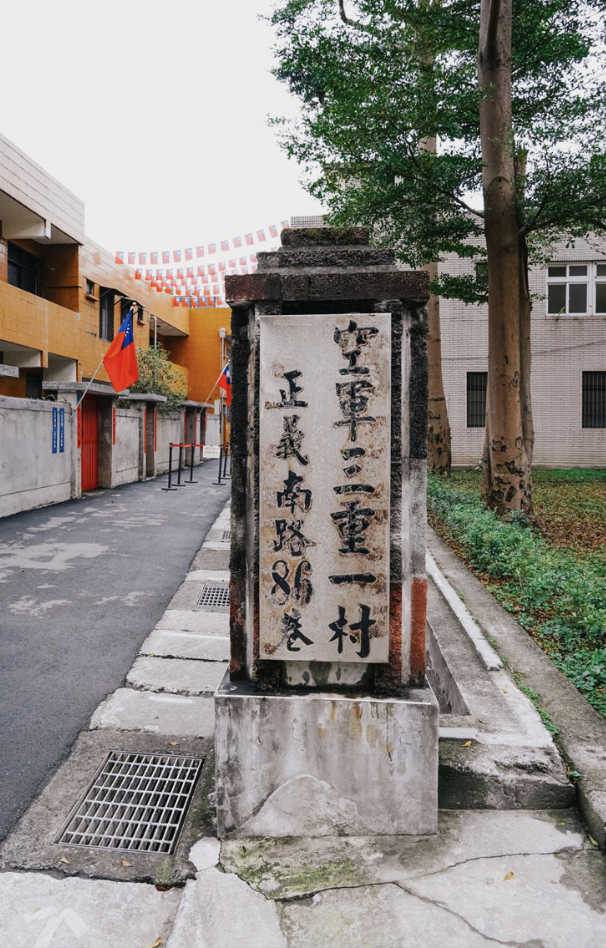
(62, 299)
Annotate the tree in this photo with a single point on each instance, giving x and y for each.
(158, 376)
(371, 96)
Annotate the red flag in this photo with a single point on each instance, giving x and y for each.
(284, 224)
(177, 256)
(237, 241)
(119, 256)
(243, 261)
(200, 251)
(120, 360)
(249, 239)
(212, 248)
(189, 253)
(138, 274)
(166, 256)
(225, 245)
(261, 234)
(153, 256)
(143, 258)
(225, 384)
(200, 271)
(273, 230)
(132, 256)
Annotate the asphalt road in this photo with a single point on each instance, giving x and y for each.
(81, 586)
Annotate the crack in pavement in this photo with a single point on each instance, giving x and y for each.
(467, 923)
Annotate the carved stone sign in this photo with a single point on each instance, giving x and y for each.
(325, 474)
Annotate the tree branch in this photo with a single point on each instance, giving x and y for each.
(343, 14)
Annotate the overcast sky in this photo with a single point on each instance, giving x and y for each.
(154, 114)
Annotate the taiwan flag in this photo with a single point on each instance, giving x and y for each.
(120, 360)
(225, 383)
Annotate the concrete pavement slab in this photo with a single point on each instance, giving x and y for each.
(374, 917)
(206, 575)
(207, 622)
(211, 559)
(37, 911)
(129, 710)
(206, 853)
(219, 910)
(291, 869)
(177, 676)
(171, 644)
(553, 899)
(186, 597)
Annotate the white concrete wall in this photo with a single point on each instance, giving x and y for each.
(563, 347)
(169, 428)
(30, 474)
(125, 452)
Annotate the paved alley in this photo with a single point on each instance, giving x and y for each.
(82, 585)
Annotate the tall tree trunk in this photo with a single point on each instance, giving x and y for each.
(438, 426)
(438, 430)
(507, 480)
(525, 312)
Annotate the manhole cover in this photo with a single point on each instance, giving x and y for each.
(214, 594)
(227, 534)
(134, 802)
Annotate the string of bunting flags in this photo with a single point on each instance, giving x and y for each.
(197, 285)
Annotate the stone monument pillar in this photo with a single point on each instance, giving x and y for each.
(325, 723)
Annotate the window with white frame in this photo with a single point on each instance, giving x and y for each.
(576, 289)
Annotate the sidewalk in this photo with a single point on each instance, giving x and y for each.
(511, 877)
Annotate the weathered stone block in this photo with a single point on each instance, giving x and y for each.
(321, 764)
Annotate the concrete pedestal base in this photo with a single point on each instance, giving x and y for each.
(322, 764)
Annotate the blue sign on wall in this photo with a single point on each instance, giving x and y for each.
(61, 430)
(55, 430)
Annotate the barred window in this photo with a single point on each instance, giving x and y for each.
(594, 399)
(476, 399)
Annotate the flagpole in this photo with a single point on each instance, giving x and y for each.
(217, 382)
(80, 400)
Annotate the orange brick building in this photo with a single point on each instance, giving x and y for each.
(62, 297)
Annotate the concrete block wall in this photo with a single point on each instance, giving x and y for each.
(169, 429)
(31, 473)
(125, 445)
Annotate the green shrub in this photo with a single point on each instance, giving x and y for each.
(556, 596)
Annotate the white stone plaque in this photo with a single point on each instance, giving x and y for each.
(324, 487)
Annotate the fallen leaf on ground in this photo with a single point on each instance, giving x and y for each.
(157, 943)
(162, 888)
(172, 743)
(467, 744)
(593, 841)
(504, 690)
(63, 859)
(36, 910)
(125, 862)
(509, 876)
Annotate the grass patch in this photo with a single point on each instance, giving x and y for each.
(551, 576)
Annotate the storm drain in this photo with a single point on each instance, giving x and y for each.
(134, 802)
(227, 534)
(214, 594)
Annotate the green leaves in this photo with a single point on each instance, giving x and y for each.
(374, 90)
(158, 376)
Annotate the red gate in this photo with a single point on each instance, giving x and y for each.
(90, 443)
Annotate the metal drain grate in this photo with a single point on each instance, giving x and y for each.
(227, 534)
(214, 594)
(134, 802)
